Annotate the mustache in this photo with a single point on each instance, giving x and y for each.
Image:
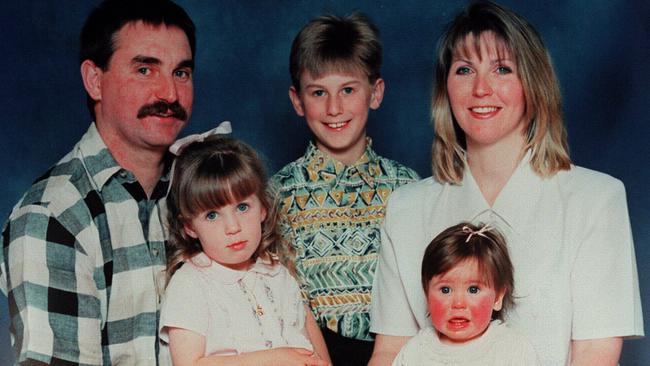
(161, 108)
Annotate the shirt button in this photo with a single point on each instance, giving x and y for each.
(154, 252)
(122, 174)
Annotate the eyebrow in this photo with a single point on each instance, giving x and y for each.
(496, 61)
(186, 63)
(315, 85)
(148, 60)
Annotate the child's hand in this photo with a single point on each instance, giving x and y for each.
(294, 356)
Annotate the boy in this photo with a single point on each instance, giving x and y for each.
(332, 199)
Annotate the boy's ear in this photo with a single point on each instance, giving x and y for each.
(377, 94)
(296, 102)
(187, 228)
(91, 75)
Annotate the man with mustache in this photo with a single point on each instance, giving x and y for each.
(84, 250)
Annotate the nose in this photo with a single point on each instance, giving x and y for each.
(458, 300)
(166, 89)
(232, 224)
(334, 105)
(482, 86)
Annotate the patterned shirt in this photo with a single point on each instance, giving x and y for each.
(331, 214)
(83, 255)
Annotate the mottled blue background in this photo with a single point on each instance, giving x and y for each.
(600, 48)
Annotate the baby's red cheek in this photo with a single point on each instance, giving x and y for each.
(482, 311)
(437, 310)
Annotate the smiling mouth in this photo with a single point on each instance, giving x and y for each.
(336, 125)
(484, 110)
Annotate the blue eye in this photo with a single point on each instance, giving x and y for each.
(503, 70)
(243, 207)
(473, 290)
(211, 216)
(445, 290)
(318, 93)
(463, 70)
(348, 90)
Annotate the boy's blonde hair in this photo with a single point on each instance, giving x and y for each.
(331, 43)
(209, 175)
(546, 134)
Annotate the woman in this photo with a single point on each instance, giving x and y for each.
(500, 156)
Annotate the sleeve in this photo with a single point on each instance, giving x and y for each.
(54, 302)
(293, 290)
(390, 313)
(294, 311)
(286, 251)
(184, 305)
(604, 283)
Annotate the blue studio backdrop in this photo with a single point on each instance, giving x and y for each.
(600, 49)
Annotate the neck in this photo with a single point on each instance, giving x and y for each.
(146, 164)
(492, 166)
(345, 156)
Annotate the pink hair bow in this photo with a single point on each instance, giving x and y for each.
(480, 232)
(180, 144)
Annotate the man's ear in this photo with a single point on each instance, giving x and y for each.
(296, 102)
(377, 94)
(91, 75)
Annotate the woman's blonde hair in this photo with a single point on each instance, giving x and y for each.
(208, 175)
(546, 134)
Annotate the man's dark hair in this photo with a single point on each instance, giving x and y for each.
(99, 31)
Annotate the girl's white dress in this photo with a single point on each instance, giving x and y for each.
(499, 345)
(220, 304)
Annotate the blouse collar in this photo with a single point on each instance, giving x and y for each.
(227, 275)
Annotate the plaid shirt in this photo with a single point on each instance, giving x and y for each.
(331, 214)
(83, 255)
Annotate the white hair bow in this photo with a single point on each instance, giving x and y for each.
(180, 144)
(481, 232)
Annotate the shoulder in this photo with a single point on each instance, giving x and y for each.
(186, 280)
(425, 339)
(588, 185)
(579, 176)
(511, 341)
(63, 191)
(415, 193)
(397, 170)
(290, 174)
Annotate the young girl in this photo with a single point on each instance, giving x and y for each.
(468, 280)
(229, 301)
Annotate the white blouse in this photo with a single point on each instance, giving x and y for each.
(569, 239)
(220, 304)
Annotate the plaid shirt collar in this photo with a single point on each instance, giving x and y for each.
(101, 166)
(321, 166)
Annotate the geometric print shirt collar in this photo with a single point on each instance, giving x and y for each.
(321, 166)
